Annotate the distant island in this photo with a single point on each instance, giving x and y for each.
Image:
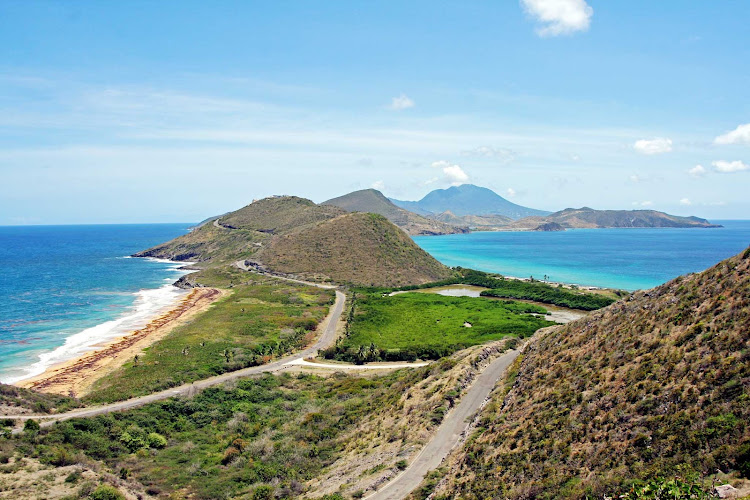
(466, 208)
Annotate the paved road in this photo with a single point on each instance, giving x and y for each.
(327, 338)
(449, 433)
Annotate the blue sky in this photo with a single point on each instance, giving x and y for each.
(174, 111)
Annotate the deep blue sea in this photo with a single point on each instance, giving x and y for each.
(64, 289)
(630, 259)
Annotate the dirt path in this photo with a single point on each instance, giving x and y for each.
(448, 435)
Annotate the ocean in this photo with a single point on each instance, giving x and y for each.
(64, 289)
(629, 259)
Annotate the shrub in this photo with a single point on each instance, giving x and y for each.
(106, 492)
(263, 492)
(155, 440)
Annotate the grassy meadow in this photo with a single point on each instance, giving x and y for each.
(408, 326)
(262, 318)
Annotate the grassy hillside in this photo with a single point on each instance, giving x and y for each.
(240, 234)
(373, 201)
(17, 401)
(268, 437)
(294, 235)
(359, 248)
(589, 218)
(654, 385)
(261, 318)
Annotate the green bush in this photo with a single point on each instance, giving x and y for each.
(106, 492)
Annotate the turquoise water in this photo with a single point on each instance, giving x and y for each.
(66, 288)
(630, 259)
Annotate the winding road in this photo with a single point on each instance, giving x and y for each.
(450, 433)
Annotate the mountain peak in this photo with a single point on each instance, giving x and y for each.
(468, 199)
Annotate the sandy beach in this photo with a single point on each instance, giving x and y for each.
(76, 376)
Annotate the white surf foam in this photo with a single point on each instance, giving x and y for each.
(149, 303)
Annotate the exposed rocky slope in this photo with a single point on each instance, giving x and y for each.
(653, 385)
(589, 218)
(467, 199)
(373, 201)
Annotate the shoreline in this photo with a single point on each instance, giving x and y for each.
(75, 377)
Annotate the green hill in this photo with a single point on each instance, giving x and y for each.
(359, 248)
(589, 218)
(656, 385)
(373, 201)
(294, 235)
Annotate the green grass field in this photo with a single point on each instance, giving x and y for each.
(262, 318)
(416, 325)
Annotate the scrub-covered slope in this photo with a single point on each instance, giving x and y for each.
(653, 383)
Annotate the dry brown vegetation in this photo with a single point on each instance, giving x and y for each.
(653, 385)
(295, 236)
(359, 248)
(385, 442)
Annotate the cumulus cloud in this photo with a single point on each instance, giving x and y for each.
(503, 154)
(452, 173)
(642, 203)
(740, 135)
(401, 102)
(729, 167)
(559, 17)
(654, 146)
(379, 185)
(697, 171)
(511, 192)
(686, 202)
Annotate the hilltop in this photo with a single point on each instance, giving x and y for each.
(373, 201)
(467, 199)
(289, 234)
(359, 248)
(586, 217)
(654, 385)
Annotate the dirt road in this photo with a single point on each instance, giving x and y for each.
(449, 433)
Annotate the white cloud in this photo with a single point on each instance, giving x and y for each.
(635, 178)
(559, 17)
(401, 102)
(511, 192)
(575, 158)
(686, 202)
(697, 171)
(379, 185)
(654, 146)
(503, 154)
(740, 135)
(453, 173)
(642, 203)
(729, 167)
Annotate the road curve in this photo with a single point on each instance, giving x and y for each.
(448, 435)
(327, 338)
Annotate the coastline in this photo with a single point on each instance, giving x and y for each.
(76, 376)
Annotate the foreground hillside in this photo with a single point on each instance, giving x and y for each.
(294, 235)
(589, 218)
(654, 385)
(359, 248)
(373, 201)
